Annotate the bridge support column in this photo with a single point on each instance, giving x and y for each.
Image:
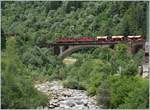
(61, 50)
(135, 47)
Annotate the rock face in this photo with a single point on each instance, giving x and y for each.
(61, 98)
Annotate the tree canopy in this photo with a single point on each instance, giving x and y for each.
(110, 74)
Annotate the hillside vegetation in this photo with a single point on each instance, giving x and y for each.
(110, 74)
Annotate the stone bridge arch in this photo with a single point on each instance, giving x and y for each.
(65, 50)
(72, 49)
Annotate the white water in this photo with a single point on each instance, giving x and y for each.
(61, 98)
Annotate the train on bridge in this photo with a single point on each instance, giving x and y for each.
(100, 39)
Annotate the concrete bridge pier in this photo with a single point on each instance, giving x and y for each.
(61, 48)
(58, 50)
(135, 47)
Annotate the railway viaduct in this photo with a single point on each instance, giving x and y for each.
(65, 49)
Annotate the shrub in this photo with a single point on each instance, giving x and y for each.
(124, 92)
(17, 88)
(103, 95)
(138, 98)
(93, 83)
(73, 84)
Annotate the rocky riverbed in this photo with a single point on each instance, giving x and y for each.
(61, 98)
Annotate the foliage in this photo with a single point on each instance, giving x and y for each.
(103, 95)
(128, 92)
(121, 51)
(139, 55)
(73, 84)
(108, 73)
(3, 40)
(17, 89)
(137, 99)
(94, 81)
(54, 19)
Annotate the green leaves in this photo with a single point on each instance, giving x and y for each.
(139, 55)
(103, 95)
(17, 89)
(87, 18)
(3, 39)
(43, 22)
(138, 98)
(128, 92)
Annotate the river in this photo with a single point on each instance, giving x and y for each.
(61, 98)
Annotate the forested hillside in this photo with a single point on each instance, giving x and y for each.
(110, 74)
(73, 19)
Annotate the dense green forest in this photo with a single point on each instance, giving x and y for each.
(110, 74)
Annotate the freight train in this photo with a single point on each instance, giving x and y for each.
(100, 39)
